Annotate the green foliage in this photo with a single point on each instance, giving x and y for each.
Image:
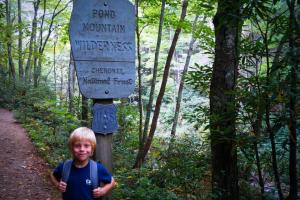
(132, 184)
(180, 173)
(263, 82)
(137, 185)
(128, 121)
(7, 92)
(183, 167)
(199, 78)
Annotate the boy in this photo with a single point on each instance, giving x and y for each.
(82, 143)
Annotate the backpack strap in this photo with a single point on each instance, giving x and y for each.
(66, 170)
(94, 174)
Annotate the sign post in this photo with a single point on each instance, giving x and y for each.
(102, 36)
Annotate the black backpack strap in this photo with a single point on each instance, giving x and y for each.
(66, 170)
(94, 174)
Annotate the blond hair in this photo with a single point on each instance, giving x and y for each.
(82, 133)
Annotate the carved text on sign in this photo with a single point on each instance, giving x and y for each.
(103, 28)
(107, 70)
(113, 46)
(102, 35)
(108, 81)
(104, 13)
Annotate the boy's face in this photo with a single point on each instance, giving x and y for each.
(82, 150)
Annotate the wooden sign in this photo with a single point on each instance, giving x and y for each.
(102, 35)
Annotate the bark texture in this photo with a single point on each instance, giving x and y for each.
(71, 83)
(294, 61)
(222, 101)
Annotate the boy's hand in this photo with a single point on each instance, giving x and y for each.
(99, 192)
(62, 186)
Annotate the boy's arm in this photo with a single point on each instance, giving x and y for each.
(60, 185)
(101, 191)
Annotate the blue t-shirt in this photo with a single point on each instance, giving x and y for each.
(79, 185)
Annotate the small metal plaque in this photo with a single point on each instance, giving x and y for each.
(102, 35)
(104, 119)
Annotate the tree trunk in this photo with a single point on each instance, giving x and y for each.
(20, 41)
(258, 165)
(31, 42)
(138, 34)
(273, 145)
(54, 64)
(142, 154)
(61, 91)
(55, 78)
(292, 124)
(12, 71)
(256, 129)
(35, 63)
(38, 56)
(186, 66)
(257, 125)
(84, 111)
(71, 80)
(153, 82)
(222, 101)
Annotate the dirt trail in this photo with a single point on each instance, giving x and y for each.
(23, 175)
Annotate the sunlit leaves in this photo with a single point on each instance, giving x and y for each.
(199, 78)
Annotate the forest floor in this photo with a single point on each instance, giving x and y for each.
(23, 174)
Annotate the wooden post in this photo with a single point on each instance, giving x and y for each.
(104, 155)
(104, 150)
(104, 142)
(104, 147)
